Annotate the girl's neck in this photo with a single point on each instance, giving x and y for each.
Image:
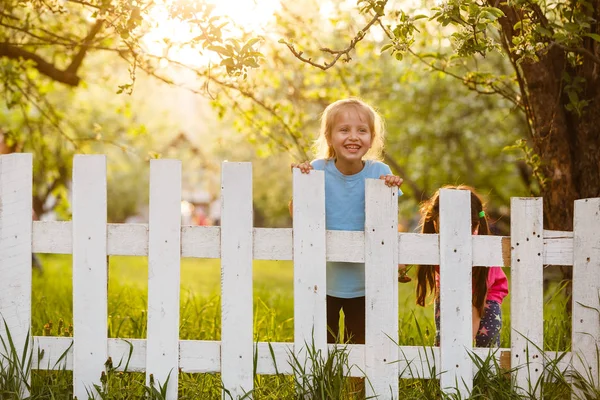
(349, 168)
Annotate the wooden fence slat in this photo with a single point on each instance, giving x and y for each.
(586, 291)
(15, 249)
(456, 261)
(526, 305)
(236, 278)
(90, 270)
(164, 250)
(381, 286)
(310, 319)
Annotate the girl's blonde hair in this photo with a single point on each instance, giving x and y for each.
(322, 148)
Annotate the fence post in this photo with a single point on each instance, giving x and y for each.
(164, 259)
(236, 279)
(90, 313)
(586, 290)
(381, 285)
(456, 265)
(15, 250)
(310, 319)
(526, 305)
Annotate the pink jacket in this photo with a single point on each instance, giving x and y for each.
(497, 283)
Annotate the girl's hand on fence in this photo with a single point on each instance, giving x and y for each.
(305, 167)
(392, 180)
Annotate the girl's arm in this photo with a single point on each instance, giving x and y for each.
(476, 321)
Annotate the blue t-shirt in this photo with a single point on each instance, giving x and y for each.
(345, 211)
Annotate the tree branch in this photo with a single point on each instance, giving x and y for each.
(336, 53)
(67, 76)
(43, 66)
(78, 59)
(580, 50)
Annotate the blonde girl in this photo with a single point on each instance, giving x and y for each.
(349, 147)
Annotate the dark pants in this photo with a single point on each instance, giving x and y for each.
(354, 319)
(489, 326)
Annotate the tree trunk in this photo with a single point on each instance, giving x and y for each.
(568, 144)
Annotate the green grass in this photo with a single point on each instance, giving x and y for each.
(273, 321)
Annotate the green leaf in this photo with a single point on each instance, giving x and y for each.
(594, 36)
(496, 12)
(249, 44)
(221, 50)
(573, 97)
(228, 62)
(385, 47)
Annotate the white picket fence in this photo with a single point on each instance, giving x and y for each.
(90, 240)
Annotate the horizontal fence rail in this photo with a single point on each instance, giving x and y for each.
(204, 356)
(236, 242)
(56, 237)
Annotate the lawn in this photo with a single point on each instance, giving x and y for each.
(200, 319)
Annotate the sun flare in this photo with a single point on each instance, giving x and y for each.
(252, 15)
(167, 38)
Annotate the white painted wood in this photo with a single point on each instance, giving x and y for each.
(527, 244)
(456, 255)
(381, 286)
(586, 290)
(416, 362)
(200, 356)
(119, 351)
(276, 362)
(236, 278)
(548, 234)
(90, 273)
(273, 244)
(56, 353)
(52, 237)
(346, 246)
(310, 318)
(164, 251)
(196, 356)
(276, 244)
(415, 248)
(485, 251)
(55, 237)
(558, 251)
(356, 358)
(201, 241)
(128, 239)
(15, 251)
(558, 247)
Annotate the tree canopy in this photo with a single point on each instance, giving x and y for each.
(553, 47)
(466, 79)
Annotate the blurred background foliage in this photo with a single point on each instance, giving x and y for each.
(452, 80)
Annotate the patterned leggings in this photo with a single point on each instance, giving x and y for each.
(489, 327)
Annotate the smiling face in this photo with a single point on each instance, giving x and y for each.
(350, 139)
